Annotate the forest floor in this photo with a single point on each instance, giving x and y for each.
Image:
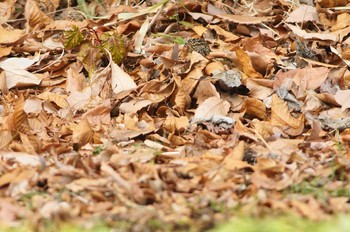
(173, 115)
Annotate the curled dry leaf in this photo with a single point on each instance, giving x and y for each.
(35, 17)
(255, 107)
(245, 64)
(305, 35)
(101, 114)
(82, 134)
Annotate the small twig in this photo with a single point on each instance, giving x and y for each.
(52, 63)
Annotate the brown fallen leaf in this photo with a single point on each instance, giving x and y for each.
(121, 81)
(82, 134)
(35, 17)
(281, 117)
(209, 108)
(245, 64)
(303, 13)
(17, 121)
(244, 19)
(10, 36)
(343, 98)
(176, 124)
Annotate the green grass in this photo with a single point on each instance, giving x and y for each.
(288, 223)
(285, 224)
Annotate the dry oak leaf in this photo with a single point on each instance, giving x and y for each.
(209, 108)
(228, 36)
(6, 10)
(281, 117)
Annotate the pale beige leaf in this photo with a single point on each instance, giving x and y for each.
(343, 98)
(209, 108)
(101, 114)
(205, 90)
(16, 75)
(258, 91)
(23, 158)
(303, 13)
(32, 105)
(121, 81)
(306, 35)
(140, 36)
(79, 100)
(244, 19)
(134, 105)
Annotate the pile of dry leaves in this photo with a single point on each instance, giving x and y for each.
(203, 110)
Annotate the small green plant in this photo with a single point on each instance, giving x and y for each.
(313, 187)
(93, 44)
(97, 150)
(172, 38)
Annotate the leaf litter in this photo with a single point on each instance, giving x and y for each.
(143, 112)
